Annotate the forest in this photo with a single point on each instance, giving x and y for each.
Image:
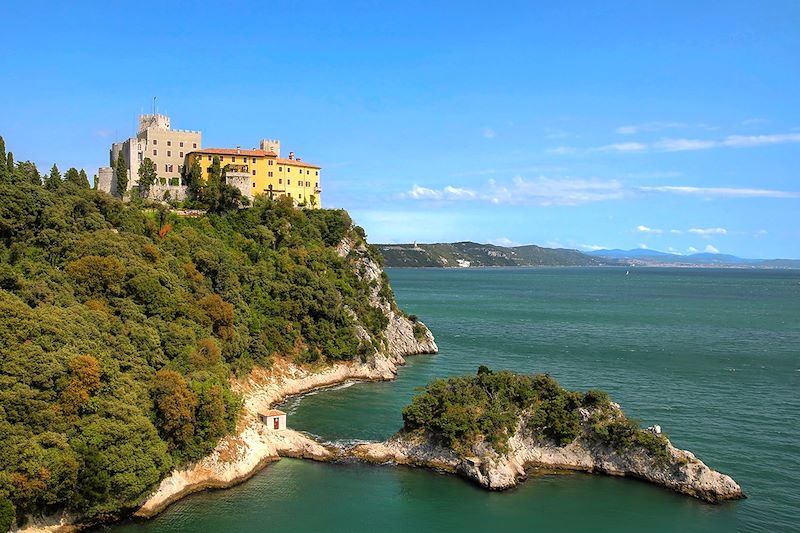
(123, 324)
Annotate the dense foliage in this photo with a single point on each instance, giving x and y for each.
(120, 328)
(463, 411)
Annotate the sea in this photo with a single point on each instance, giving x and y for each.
(711, 355)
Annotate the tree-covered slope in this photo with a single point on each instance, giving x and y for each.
(473, 254)
(121, 326)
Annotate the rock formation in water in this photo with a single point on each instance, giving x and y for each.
(552, 429)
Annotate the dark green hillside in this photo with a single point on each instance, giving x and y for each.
(456, 254)
(121, 326)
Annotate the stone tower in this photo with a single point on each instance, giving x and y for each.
(271, 145)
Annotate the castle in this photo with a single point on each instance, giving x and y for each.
(254, 172)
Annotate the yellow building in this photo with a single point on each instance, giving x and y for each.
(264, 172)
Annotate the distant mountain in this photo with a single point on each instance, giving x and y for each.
(652, 257)
(464, 254)
(629, 254)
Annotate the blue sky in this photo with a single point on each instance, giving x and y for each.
(674, 125)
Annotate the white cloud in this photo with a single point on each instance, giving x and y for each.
(489, 133)
(722, 192)
(562, 150)
(692, 250)
(711, 250)
(675, 231)
(649, 126)
(645, 229)
(624, 147)
(683, 145)
(672, 250)
(521, 191)
(592, 247)
(680, 145)
(643, 246)
(708, 232)
(758, 140)
(447, 193)
(504, 241)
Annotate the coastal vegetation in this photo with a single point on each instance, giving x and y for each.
(123, 325)
(488, 407)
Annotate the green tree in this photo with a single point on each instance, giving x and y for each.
(53, 181)
(2, 158)
(147, 175)
(175, 406)
(27, 172)
(193, 179)
(83, 180)
(72, 176)
(121, 170)
(9, 163)
(7, 514)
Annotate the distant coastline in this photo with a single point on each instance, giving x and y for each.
(471, 254)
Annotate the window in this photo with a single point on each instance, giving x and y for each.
(169, 153)
(180, 154)
(269, 173)
(280, 180)
(155, 141)
(288, 169)
(166, 168)
(194, 145)
(316, 185)
(280, 169)
(254, 160)
(254, 183)
(308, 172)
(288, 182)
(233, 159)
(254, 173)
(155, 152)
(270, 162)
(316, 172)
(140, 156)
(289, 194)
(181, 144)
(169, 143)
(209, 158)
(308, 184)
(222, 158)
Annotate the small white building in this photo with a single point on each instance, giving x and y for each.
(274, 419)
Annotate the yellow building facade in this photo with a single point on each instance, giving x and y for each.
(266, 173)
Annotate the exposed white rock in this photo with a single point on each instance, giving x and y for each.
(681, 472)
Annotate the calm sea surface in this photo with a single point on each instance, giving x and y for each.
(711, 355)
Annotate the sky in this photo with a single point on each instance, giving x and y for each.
(668, 125)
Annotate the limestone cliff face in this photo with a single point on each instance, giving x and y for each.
(239, 456)
(400, 335)
(681, 471)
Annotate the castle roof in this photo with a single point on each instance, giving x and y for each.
(235, 151)
(254, 153)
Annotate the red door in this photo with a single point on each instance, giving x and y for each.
(277, 423)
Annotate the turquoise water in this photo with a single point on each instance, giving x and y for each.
(711, 355)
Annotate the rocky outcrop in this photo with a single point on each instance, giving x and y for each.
(681, 471)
